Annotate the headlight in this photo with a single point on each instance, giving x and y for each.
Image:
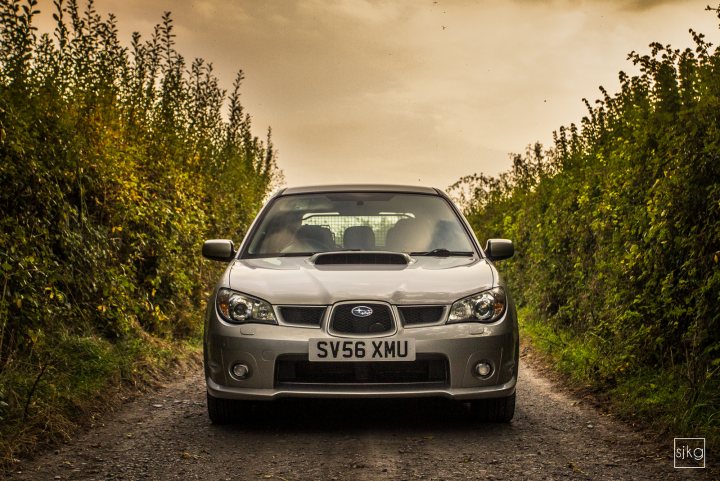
(240, 308)
(487, 306)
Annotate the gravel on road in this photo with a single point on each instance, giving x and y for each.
(166, 435)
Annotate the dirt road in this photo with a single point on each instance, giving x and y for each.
(167, 436)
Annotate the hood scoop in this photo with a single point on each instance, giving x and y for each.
(360, 257)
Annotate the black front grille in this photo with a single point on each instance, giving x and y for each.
(431, 369)
(421, 314)
(345, 322)
(301, 315)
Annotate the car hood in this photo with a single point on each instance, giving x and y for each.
(425, 280)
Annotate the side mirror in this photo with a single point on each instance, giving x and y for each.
(498, 249)
(218, 250)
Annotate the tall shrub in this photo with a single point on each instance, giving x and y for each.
(115, 163)
(617, 225)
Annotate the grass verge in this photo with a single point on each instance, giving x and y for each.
(66, 384)
(660, 399)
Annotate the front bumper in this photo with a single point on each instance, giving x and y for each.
(262, 346)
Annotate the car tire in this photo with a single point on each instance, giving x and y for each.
(494, 410)
(221, 411)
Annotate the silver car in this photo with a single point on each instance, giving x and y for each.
(355, 291)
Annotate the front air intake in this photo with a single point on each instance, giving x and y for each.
(362, 318)
(361, 257)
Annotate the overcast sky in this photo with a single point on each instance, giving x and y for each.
(418, 92)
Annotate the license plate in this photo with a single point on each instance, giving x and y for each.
(327, 350)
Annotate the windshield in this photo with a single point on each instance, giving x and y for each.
(305, 224)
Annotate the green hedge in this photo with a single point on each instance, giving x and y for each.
(116, 163)
(617, 229)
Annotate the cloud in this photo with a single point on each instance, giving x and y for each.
(395, 91)
(626, 5)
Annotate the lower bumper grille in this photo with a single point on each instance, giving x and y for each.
(294, 370)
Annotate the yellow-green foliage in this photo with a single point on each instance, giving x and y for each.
(115, 165)
(617, 229)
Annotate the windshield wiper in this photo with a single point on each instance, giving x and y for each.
(296, 254)
(442, 253)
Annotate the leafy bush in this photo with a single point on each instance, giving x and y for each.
(617, 227)
(116, 164)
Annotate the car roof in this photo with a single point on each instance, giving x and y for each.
(312, 189)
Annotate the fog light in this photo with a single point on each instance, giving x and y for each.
(483, 369)
(240, 371)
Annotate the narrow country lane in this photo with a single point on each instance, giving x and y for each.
(167, 436)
